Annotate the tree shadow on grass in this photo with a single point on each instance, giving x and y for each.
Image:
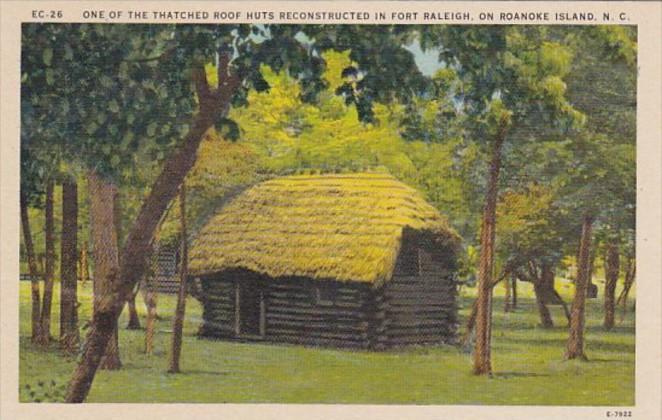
(602, 360)
(521, 342)
(561, 342)
(204, 372)
(610, 347)
(618, 329)
(509, 375)
(53, 347)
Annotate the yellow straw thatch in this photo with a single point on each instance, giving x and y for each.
(344, 227)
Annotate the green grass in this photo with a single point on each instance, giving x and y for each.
(527, 362)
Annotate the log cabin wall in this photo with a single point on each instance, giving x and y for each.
(296, 310)
(318, 313)
(418, 305)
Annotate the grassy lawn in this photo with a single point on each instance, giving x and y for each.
(527, 361)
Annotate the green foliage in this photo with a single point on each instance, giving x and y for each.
(280, 133)
(222, 170)
(531, 226)
(603, 81)
(118, 98)
(512, 77)
(45, 391)
(290, 134)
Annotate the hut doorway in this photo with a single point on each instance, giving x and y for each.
(250, 309)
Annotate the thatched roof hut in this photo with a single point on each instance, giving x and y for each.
(344, 236)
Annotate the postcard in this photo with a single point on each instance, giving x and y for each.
(331, 209)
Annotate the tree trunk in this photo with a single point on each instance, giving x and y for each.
(514, 281)
(84, 269)
(575, 346)
(482, 363)
(612, 269)
(49, 268)
(111, 360)
(629, 281)
(213, 105)
(507, 304)
(591, 288)
(563, 304)
(69, 335)
(178, 322)
(150, 321)
(134, 319)
(106, 258)
(151, 298)
(542, 287)
(34, 272)
(471, 321)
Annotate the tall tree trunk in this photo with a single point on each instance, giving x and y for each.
(542, 288)
(612, 269)
(84, 269)
(575, 346)
(482, 360)
(471, 320)
(111, 360)
(106, 258)
(514, 287)
(69, 335)
(178, 322)
(49, 268)
(629, 280)
(563, 304)
(150, 297)
(134, 319)
(591, 288)
(213, 105)
(507, 299)
(34, 272)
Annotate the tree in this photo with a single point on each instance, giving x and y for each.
(612, 271)
(607, 192)
(575, 346)
(178, 321)
(531, 236)
(103, 195)
(628, 281)
(49, 269)
(32, 263)
(134, 320)
(69, 334)
(514, 77)
(603, 86)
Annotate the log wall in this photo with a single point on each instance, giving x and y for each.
(417, 306)
(292, 313)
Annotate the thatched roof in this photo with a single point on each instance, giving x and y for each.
(345, 227)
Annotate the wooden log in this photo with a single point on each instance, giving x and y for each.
(297, 336)
(318, 311)
(313, 326)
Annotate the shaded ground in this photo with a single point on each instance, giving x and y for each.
(527, 362)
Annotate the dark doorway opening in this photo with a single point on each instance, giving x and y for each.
(250, 309)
